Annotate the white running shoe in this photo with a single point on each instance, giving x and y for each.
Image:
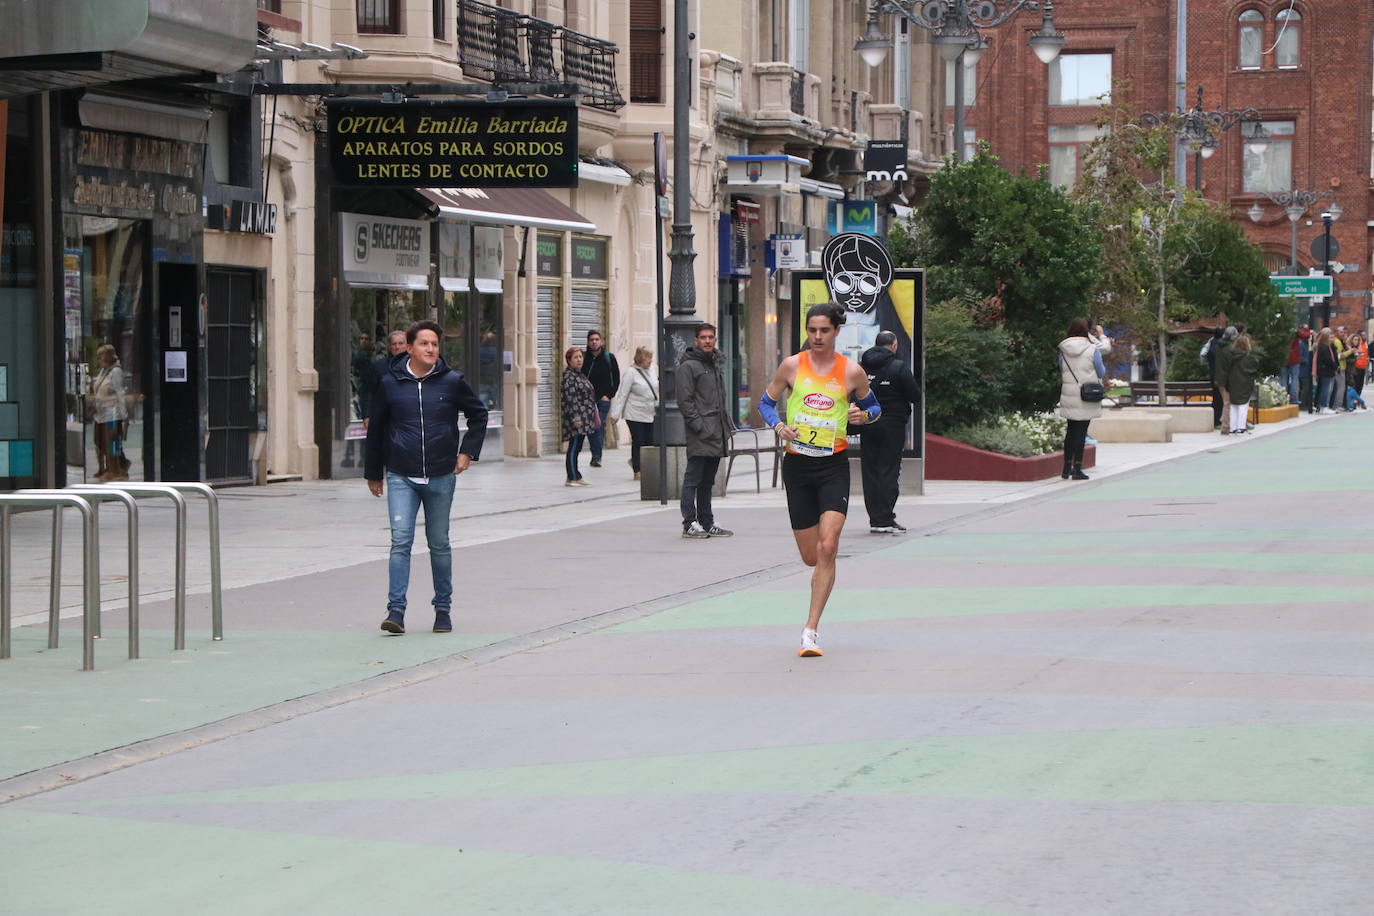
(809, 649)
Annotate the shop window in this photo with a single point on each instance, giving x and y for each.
(1067, 145)
(1289, 39)
(1081, 79)
(21, 437)
(1250, 39)
(379, 17)
(646, 51)
(1270, 169)
(970, 84)
(230, 144)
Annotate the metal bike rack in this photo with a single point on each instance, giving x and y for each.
(90, 545)
(176, 489)
(98, 494)
(172, 492)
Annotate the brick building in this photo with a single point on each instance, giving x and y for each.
(1304, 66)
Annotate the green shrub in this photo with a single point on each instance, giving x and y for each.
(1000, 439)
(966, 368)
(1018, 435)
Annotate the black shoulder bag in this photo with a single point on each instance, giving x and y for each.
(1088, 392)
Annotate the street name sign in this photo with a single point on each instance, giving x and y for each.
(1301, 286)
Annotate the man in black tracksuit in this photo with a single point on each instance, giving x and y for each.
(600, 367)
(880, 444)
(413, 439)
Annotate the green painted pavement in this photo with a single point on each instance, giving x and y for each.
(995, 544)
(1324, 764)
(1349, 564)
(54, 713)
(1327, 457)
(115, 866)
(786, 607)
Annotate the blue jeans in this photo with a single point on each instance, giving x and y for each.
(1324, 385)
(403, 501)
(598, 435)
(1289, 379)
(570, 460)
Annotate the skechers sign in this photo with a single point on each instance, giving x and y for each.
(433, 144)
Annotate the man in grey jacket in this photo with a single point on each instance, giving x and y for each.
(705, 414)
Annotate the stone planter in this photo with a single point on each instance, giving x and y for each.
(947, 459)
(1274, 414)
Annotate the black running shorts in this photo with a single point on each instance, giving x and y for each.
(815, 485)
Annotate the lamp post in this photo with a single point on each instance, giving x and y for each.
(682, 292)
(955, 26)
(1295, 203)
(1197, 131)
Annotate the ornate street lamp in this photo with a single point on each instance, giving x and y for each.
(1197, 131)
(954, 26)
(1295, 203)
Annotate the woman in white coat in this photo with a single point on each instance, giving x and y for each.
(637, 401)
(1080, 360)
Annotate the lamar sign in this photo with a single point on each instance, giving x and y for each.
(453, 144)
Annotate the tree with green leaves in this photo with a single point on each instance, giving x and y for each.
(1169, 255)
(1016, 242)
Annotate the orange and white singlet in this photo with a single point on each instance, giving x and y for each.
(818, 409)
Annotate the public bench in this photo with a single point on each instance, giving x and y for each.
(1182, 392)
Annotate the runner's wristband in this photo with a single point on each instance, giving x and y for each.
(871, 407)
(768, 409)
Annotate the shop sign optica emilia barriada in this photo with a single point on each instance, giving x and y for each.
(437, 144)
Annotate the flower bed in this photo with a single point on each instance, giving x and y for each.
(946, 459)
(1275, 414)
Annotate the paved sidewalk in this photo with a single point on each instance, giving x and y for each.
(1144, 694)
(289, 529)
(1137, 695)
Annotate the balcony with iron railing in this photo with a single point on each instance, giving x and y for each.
(502, 47)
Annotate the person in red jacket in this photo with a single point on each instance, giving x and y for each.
(1298, 355)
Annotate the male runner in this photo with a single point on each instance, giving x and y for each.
(815, 470)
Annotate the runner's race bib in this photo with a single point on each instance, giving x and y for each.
(815, 435)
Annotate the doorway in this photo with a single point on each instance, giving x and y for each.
(107, 335)
(232, 346)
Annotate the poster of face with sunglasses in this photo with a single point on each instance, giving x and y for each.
(858, 274)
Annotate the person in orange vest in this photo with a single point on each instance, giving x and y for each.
(1355, 374)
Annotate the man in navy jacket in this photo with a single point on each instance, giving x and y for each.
(413, 438)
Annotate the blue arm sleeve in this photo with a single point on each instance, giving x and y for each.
(768, 409)
(1098, 364)
(871, 406)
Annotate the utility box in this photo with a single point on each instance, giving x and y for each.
(777, 174)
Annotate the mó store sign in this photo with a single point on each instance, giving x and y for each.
(429, 144)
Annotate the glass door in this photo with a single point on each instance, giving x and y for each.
(107, 334)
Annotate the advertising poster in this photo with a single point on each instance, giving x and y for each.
(858, 274)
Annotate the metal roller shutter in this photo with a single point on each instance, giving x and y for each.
(588, 314)
(551, 364)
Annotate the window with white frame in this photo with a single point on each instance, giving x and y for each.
(1289, 39)
(970, 84)
(1250, 39)
(1081, 79)
(1270, 169)
(1067, 145)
